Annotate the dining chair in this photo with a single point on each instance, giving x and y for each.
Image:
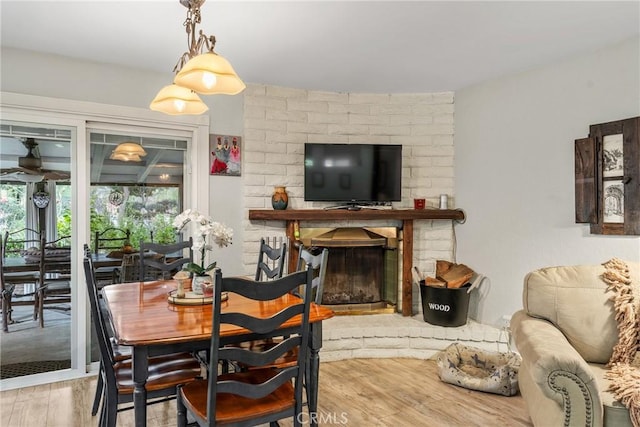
(111, 239)
(314, 260)
(54, 286)
(165, 372)
(160, 261)
(271, 265)
(17, 288)
(252, 397)
(129, 270)
(271, 260)
(120, 352)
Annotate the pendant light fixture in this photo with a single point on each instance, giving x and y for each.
(128, 152)
(197, 71)
(175, 100)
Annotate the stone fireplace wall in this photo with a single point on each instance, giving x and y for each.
(278, 121)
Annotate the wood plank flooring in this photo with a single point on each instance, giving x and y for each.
(357, 392)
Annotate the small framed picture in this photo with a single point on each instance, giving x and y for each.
(612, 155)
(225, 155)
(613, 206)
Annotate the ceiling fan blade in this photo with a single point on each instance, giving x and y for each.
(19, 169)
(51, 175)
(29, 170)
(19, 175)
(8, 171)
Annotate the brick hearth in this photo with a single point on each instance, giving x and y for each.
(392, 335)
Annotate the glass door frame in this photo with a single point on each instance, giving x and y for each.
(76, 115)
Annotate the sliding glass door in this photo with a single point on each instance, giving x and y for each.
(137, 180)
(67, 150)
(36, 198)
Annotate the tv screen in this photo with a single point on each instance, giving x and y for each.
(352, 173)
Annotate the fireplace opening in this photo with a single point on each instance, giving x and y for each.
(354, 275)
(362, 267)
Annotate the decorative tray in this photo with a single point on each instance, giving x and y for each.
(191, 298)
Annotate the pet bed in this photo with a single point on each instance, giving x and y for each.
(478, 369)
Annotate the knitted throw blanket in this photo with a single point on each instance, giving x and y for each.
(624, 364)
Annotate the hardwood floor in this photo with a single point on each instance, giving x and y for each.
(357, 392)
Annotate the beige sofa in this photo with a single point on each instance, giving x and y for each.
(565, 335)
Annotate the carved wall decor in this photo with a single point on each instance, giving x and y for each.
(607, 178)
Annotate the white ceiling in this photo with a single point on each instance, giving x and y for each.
(354, 46)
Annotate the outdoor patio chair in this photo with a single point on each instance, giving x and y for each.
(54, 286)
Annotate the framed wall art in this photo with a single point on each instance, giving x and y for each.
(225, 155)
(607, 178)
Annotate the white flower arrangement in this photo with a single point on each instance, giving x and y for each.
(204, 227)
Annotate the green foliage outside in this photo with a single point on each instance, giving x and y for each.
(148, 212)
(13, 202)
(145, 211)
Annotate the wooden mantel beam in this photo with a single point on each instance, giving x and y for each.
(407, 216)
(363, 214)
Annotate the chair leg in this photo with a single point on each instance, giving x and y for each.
(41, 310)
(6, 310)
(111, 402)
(181, 409)
(36, 300)
(99, 393)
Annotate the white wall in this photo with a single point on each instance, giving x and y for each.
(58, 77)
(515, 163)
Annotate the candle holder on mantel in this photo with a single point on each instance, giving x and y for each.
(280, 198)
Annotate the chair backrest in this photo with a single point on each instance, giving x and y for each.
(308, 258)
(15, 243)
(158, 261)
(297, 338)
(99, 322)
(111, 239)
(86, 250)
(55, 259)
(130, 268)
(271, 260)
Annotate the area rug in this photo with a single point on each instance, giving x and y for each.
(29, 368)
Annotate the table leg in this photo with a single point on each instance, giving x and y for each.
(140, 373)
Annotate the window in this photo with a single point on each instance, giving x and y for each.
(140, 196)
(147, 211)
(13, 198)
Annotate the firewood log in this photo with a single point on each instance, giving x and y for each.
(458, 275)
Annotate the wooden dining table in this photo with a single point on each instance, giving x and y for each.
(142, 317)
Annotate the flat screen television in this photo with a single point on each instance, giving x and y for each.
(352, 173)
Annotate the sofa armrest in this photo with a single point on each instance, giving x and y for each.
(557, 369)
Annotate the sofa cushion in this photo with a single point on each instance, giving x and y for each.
(575, 299)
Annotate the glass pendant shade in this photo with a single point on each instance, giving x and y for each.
(176, 100)
(128, 152)
(209, 74)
